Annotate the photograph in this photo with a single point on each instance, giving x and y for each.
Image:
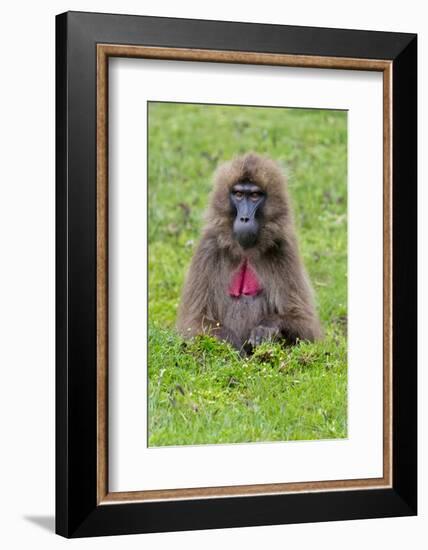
(235, 275)
(247, 274)
(212, 285)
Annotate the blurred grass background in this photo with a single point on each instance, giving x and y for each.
(202, 392)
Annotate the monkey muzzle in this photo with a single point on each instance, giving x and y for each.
(247, 199)
(246, 226)
(246, 233)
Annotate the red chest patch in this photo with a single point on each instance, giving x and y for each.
(244, 282)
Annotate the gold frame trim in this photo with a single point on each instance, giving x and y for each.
(104, 51)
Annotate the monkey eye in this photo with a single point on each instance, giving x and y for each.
(255, 196)
(238, 194)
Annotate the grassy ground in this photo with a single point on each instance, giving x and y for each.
(202, 392)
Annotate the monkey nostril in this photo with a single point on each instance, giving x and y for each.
(245, 220)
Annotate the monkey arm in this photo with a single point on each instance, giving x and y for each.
(293, 325)
(294, 314)
(197, 312)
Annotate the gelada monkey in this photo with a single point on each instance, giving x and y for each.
(247, 283)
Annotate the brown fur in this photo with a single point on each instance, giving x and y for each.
(285, 307)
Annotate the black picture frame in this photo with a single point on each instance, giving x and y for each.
(78, 513)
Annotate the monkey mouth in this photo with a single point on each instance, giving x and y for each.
(247, 239)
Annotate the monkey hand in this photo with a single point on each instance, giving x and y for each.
(263, 333)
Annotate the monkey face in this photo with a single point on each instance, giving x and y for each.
(247, 200)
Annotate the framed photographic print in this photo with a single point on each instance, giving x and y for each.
(236, 274)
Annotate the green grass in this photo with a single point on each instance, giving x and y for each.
(202, 391)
